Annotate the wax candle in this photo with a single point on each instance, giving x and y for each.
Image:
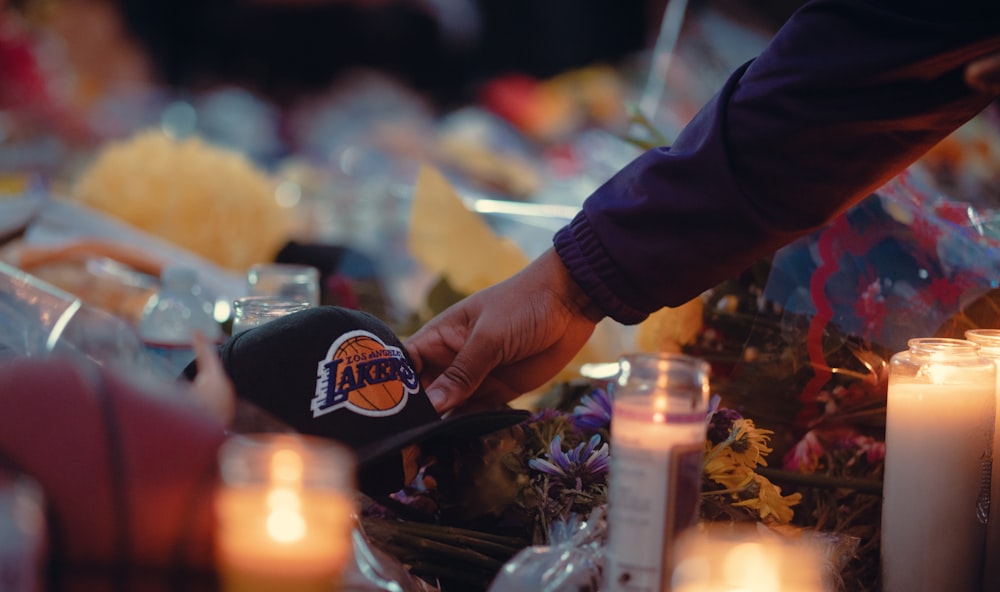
(727, 558)
(939, 426)
(658, 438)
(285, 514)
(989, 344)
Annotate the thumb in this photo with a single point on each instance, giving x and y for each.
(211, 387)
(467, 371)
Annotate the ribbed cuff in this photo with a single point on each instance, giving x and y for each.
(587, 262)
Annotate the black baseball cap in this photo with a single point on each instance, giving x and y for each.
(344, 374)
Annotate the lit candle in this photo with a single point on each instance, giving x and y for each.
(989, 344)
(285, 514)
(658, 442)
(939, 426)
(728, 558)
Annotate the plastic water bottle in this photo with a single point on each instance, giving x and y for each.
(177, 309)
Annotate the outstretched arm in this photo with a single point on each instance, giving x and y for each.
(846, 95)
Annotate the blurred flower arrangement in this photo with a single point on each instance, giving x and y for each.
(209, 200)
(822, 392)
(733, 489)
(534, 482)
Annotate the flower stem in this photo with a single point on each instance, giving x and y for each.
(469, 539)
(445, 551)
(821, 481)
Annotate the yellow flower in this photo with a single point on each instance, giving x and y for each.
(206, 199)
(769, 503)
(722, 466)
(749, 443)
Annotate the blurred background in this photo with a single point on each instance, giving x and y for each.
(223, 133)
(69, 62)
(339, 102)
(232, 132)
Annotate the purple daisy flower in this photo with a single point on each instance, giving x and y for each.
(594, 410)
(713, 406)
(721, 424)
(581, 464)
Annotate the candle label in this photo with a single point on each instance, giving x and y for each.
(654, 495)
(983, 503)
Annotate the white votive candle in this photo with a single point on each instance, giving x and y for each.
(658, 438)
(284, 514)
(989, 344)
(939, 426)
(726, 557)
(298, 543)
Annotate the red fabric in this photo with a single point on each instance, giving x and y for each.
(23, 84)
(128, 477)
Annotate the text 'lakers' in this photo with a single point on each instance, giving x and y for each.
(363, 374)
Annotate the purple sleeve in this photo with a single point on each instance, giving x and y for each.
(847, 95)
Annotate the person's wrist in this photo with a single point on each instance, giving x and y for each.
(571, 292)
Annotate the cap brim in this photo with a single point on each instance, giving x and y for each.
(469, 425)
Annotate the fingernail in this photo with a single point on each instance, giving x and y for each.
(437, 397)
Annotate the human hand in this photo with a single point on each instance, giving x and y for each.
(211, 387)
(505, 340)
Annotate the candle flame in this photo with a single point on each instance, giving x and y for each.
(283, 499)
(286, 467)
(938, 373)
(286, 525)
(749, 567)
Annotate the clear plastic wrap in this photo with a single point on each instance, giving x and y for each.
(572, 562)
(38, 319)
(373, 570)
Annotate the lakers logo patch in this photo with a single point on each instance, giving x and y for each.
(364, 375)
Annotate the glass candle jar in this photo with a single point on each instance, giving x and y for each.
(658, 427)
(989, 347)
(286, 281)
(285, 510)
(726, 557)
(939, 426)
(254, 311)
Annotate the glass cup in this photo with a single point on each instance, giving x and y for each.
(254, 311)
(658, 427)
(285, 511)
(22, 534)
(39, 319)
(33, 313)
(287, 281)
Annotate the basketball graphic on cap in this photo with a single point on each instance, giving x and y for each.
(383, 396)
(363, 374)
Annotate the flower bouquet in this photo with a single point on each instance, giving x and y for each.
(474, 505)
